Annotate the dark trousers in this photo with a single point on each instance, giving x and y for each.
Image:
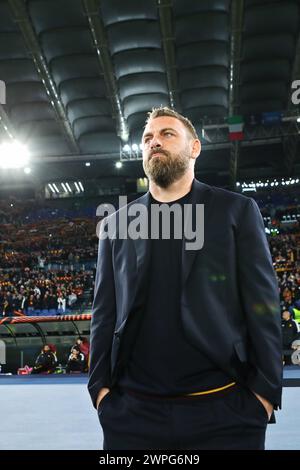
(235, 419)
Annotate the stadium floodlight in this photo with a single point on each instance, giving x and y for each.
(77, 187)
(55, 187)
(87, 164)
(269, 183)
(119, 165)
(13, 155)
(134, 147)
(69, 187)
(51, 187)
(126, 148)
(250, 188)
(64, 187)
(80, 185)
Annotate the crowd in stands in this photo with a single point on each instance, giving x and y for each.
(48, 258)
(39, 292)
(48, 242)
(281, 213)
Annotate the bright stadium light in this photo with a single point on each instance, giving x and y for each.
(51, 187)
(269, 183)
(118, 165)
(64, 187)
(69, 187)
(13, 155)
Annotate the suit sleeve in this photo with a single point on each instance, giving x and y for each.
(260, 299)
(103, 321)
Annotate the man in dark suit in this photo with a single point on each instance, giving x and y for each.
(185, 339)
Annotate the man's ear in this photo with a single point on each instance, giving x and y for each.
(196, 148)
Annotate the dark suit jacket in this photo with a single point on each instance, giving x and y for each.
(229, 299)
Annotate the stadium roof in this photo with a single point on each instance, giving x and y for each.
(81, 76)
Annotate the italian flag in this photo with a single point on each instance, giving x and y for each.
(236, 124)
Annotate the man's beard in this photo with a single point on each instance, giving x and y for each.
(166, 169)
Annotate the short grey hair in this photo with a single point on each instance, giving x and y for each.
(165, 111)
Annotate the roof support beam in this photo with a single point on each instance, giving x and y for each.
(22, 18)
(166, 26)
(237, 10)
(93, 9)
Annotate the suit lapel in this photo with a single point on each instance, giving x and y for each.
(189, 256)
(142, 246)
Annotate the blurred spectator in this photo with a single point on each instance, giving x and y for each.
(295, 311)
(84, 347)
(7, 304)
(61, 301)
(72, 298)
(75, 361)
(45, 362)
(52, 348)
(289, 334)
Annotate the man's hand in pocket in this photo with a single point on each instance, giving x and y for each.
(104, 391)
(267, 405)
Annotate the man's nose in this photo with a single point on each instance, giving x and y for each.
(155, 142)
